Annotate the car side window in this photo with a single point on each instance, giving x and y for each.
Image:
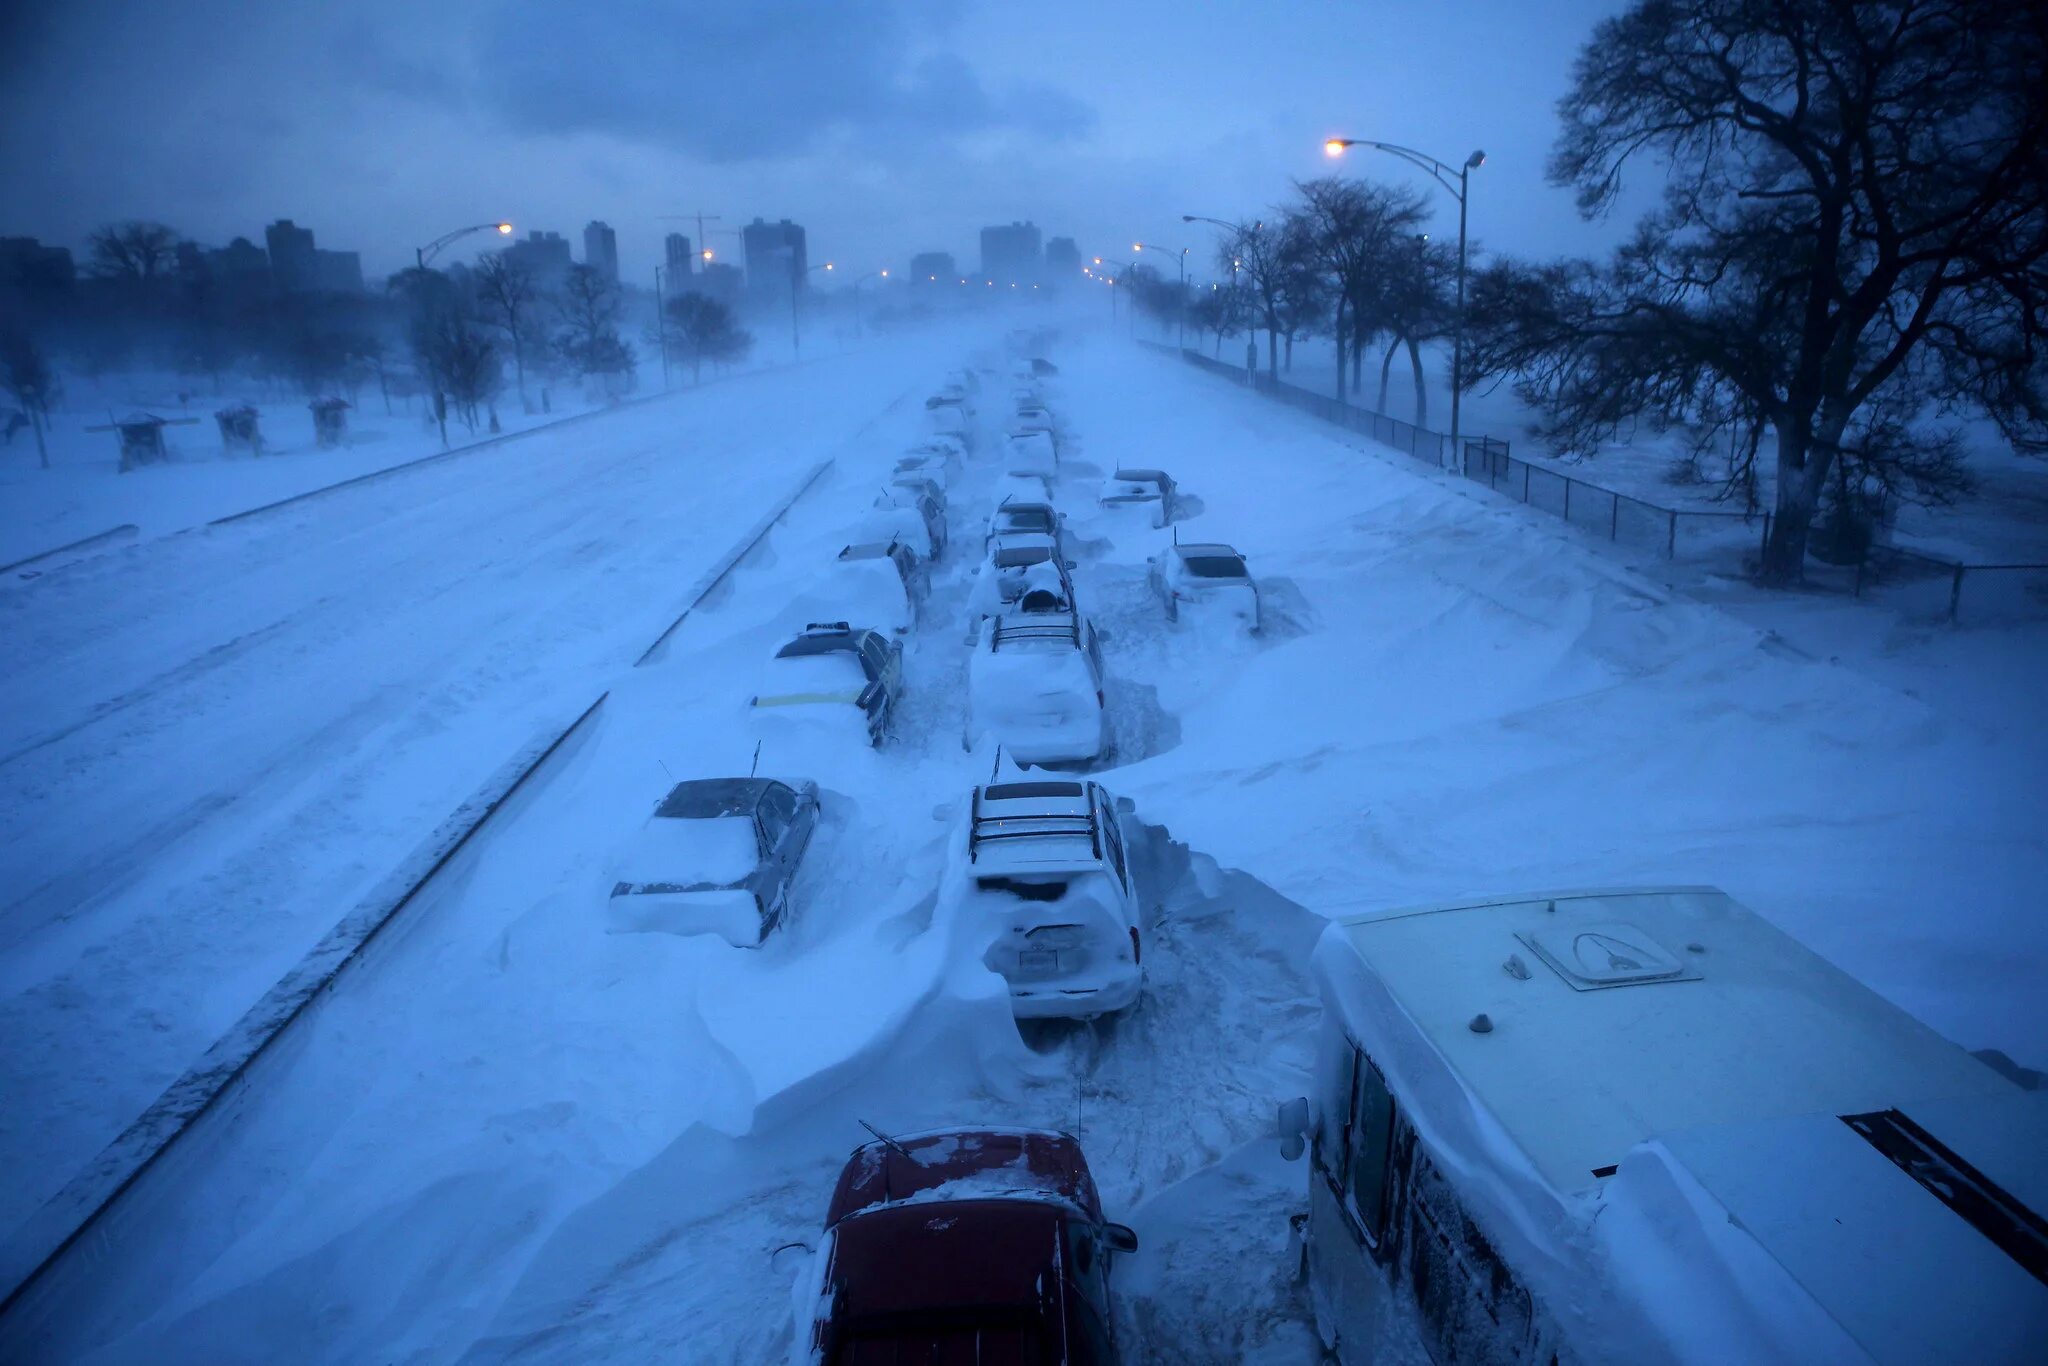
(1115, 840)
(875, 655)
(777, 810)
(1369, 1140)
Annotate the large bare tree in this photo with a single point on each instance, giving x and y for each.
(1853, 233)
(511, 298)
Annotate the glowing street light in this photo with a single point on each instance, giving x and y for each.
(1442, 173)
(1180, 300)
(422, 255)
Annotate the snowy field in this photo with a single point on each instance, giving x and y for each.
(523, 1139)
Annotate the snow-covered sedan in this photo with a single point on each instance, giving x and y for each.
(953, 1246)
(1035, 687)
(833, 667)
(1014, 518)
(1143, 492)
(718, 856)
(915, 522)
(1018, 569)
(1047, 866)
(880, 582)
(1205, 580)
(1032, 453)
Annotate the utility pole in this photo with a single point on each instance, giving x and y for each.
(661, 325)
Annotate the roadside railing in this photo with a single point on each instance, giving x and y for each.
(1913, 581)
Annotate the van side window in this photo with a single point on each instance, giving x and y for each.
(1115, 840)
(1369, 1136)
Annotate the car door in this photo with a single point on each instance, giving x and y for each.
(773, 817)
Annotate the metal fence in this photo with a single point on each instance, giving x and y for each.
(1915, 582)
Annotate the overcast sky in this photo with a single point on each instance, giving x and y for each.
(884, 126)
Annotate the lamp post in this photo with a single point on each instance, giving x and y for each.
(422, 255)
(1441, 172)
(661, 325)
(796, 287)
(873, 274)
(1120, 280)
(1180, 300)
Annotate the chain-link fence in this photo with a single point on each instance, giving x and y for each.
(1913, 581)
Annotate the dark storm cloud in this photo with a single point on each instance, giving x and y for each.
(746, 83)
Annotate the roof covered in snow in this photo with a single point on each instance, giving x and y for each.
(1612, 1017)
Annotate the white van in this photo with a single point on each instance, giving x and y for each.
(1645, 1126)
(1035, 686)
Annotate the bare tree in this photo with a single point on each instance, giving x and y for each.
(701, 328)
(511, 298)
(26, 372)
(1350, 227)
(589, 311)
(1854, 229)
(135, 252)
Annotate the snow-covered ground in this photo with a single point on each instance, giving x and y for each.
(522, 1138)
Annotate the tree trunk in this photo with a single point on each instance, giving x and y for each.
(1337, 336)
(1421, 394)
(1290, 350)
(1272, 354)
(1358, 345)
(42, 447)
(1804, 460)
(1386, 364)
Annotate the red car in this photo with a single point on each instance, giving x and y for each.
(983, 1246)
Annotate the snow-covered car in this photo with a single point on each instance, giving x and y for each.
(832, 666)
(884, 579)
(1047, 867)
(1140, 491)
(1023, 574)
(1645, 1125)
(904, 490)
(1031, 453)
(1022, 486)
(915, 523)
(1031, 417)
(1035, 687)
(966, 1246)
(949, 420)
(932, 468)
(1012, 519)
(1205, 580)
(718, 856)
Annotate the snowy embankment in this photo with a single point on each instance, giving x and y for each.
(525, 1138)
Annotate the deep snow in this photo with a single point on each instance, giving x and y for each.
(524, 1138)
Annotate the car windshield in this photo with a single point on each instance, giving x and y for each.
(719, 851)
(1020, 556)
(1215, 566)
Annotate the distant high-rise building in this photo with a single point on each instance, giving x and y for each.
(928, 267)
(601, 250)
(720, 280)
(681, 260)
(299, 267)
(777, 259)
(1011, 255)
(1062, 260)
(543, 255)
(33, 273)
(239, 259)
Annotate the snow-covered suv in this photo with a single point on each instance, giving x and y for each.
(1035, 686)
(832, 665)
(1047, 860)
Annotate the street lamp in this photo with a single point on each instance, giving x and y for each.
(1123, 269)
(1442, 172)
(883, 274)
(1180, 301)
(796, 287)
(422, 255)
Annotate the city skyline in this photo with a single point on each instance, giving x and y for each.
(952, 116)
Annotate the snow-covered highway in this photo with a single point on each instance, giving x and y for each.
(211, 744)
(524, 1138)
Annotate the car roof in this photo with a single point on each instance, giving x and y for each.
(1061, 627)
(1187, 548)
(1635, 1012)
(903, 1270)
(1037, 824)
(701, 798)
(872, 550)
(1139, 474)
(969, 1164)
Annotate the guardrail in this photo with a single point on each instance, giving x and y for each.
(121, 532)
(1914, 580)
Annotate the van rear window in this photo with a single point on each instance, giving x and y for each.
(1026, 891)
